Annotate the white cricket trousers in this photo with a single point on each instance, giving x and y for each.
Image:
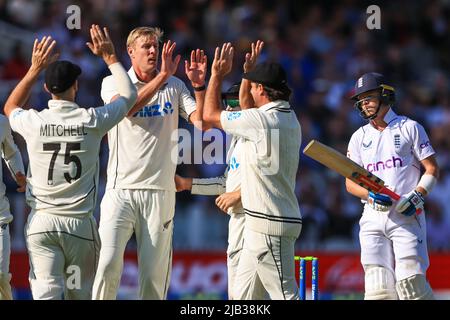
(394, 241)
(149, 213)
(234, 250)
(266, 262)
(5, 251)
(63, 253)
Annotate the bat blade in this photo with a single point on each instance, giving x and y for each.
(336, 161)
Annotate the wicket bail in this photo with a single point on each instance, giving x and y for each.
(314, 276)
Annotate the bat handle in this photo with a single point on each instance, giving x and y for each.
(390, 193)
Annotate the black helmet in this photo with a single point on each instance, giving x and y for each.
(230, 97)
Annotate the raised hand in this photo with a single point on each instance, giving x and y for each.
(223, 60)
(196, 69)
(250, 58)
(42, 54)
(168, 64)
(102, 44)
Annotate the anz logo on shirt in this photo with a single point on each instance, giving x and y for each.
(155, 111)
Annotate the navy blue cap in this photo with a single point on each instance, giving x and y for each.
(368, 82)
(61, 75)
(271, 75)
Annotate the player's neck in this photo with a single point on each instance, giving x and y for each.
(378, 124)
(145, 76)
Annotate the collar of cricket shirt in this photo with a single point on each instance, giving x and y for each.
(276, 105)
(134, 79)
(62, 104)
(389, 116)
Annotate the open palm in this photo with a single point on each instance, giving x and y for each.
(196, 69)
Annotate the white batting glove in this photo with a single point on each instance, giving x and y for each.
(411, 203)
(379, 201)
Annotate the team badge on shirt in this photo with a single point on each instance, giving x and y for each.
(233, 115)
(397, 141)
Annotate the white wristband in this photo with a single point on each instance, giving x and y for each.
(427, 182)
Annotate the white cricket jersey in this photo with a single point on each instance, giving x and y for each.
(393, 154)
(229, 182)
(141, 146)
(270, 157)
(63, 144)
(13, 159)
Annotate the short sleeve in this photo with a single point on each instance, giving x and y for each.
(109, 89)
(421, 145)
(353, 150)
(19, 119)
(246, 123)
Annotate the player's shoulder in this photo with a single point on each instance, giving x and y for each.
(407, 123)
(361, 131)
(108, 81)
(175, 82)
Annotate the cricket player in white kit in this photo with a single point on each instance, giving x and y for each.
(140, 189)
(273, 221)
(63, 144)
(13, 159)
(392, 235)
(228, 186)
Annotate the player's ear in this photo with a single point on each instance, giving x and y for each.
(46, 89)
(130, 51)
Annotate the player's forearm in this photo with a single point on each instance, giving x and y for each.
(110, 59)
(196, 118)
(245, 98)
(148, 91)
(125, 87)
(212, 107)
(429, 177)
(356, 190)
(20, 94)
(15, 164)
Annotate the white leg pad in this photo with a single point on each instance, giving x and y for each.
(414, 288)
(379, 284)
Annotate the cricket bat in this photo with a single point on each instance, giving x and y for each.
(341, 164)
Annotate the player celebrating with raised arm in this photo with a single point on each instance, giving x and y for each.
(270, 154)
(228, 186)
(140, 190)
(13, 159)
(63, 144)
(392, 235)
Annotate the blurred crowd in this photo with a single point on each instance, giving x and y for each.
(324, 46)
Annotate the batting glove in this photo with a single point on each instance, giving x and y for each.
(411, 203)
(379, 201)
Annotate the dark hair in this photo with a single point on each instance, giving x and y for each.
(275, 94)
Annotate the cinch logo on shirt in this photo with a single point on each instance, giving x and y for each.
(382, 165)
(424, 145)
(155, 111)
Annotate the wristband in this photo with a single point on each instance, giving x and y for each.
(201, 88)
(427, 182)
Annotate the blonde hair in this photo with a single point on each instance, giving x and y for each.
(144, 32)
